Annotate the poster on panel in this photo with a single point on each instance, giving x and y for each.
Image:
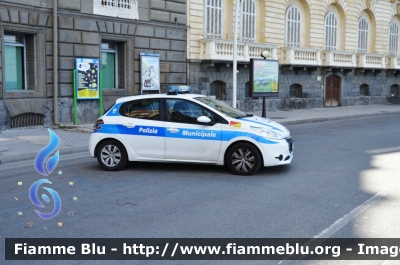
(87, 78)
(264, 78)
(150, 71)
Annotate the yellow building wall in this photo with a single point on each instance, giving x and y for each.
(271, 17)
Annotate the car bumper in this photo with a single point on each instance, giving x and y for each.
(278, 154)
(93, 140)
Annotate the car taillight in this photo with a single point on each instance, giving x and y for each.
(97, 124)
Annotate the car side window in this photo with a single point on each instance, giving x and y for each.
(180, 110)
(148, 109)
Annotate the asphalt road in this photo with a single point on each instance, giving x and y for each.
(343, 182)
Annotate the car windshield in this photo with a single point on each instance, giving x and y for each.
(222, 107)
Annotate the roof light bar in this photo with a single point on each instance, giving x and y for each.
(174, 90)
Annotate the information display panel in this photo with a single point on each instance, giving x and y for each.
(87, 78)
(150, 71)
(264, 78)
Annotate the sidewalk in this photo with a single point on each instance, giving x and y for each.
(299, 116)
(24, 143)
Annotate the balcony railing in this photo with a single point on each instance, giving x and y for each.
(369, 60)
(116, 8)
(393, 62)
(222, 50)
(338, 58)
(301, 56)
(217, 49)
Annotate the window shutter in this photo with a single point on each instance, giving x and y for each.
(30, 61)
(393, 38)
(363, 35)
(121, 65)
(331, 31)
(293, 23)
(213, 18)
(248, 20)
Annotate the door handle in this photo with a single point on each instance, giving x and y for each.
(129, 125)
(173, 130)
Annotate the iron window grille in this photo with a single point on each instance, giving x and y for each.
(217, 89)
(247, 90)
(296, 91)
(364, 90)
(395, 90)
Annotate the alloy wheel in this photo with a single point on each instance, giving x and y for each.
(110, 155)
(243, 160)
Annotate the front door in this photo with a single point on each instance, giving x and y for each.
(332, 91)
(185, 138)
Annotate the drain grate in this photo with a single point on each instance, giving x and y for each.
(27, 119)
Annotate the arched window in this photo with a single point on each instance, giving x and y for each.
(296, 91)
(293, 24)
(248, 20)
(393, 38)
(364, 90)
(331, 29)
(395, 90)
(247, 90)
(213, 18)
(217, 89)
(363, 35)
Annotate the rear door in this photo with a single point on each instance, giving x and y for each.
(185, 138)
(142, 127)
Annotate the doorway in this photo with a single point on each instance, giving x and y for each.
(332, 91)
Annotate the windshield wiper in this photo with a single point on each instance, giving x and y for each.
(249, 115)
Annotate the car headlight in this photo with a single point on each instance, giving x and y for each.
(267, 133)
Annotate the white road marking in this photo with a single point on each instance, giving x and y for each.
(328, 232)
(336, 226)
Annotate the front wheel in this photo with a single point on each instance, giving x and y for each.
(243, 159)
(111, 155)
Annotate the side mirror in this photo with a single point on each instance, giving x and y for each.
(203, 120)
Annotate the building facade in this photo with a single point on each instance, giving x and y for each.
(331, 52)
(114, 31)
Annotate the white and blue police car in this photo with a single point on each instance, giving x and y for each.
(189, 128)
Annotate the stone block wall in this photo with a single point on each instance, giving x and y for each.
(81, 35)
(173, 11)
(313, 91)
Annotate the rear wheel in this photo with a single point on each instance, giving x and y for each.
(243, 159)
(111, 155)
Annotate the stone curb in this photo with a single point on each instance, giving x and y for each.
(32, 156)
(336, 118)
(76, 128)
(83, 130)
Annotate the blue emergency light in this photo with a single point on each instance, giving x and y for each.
(174, 90)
